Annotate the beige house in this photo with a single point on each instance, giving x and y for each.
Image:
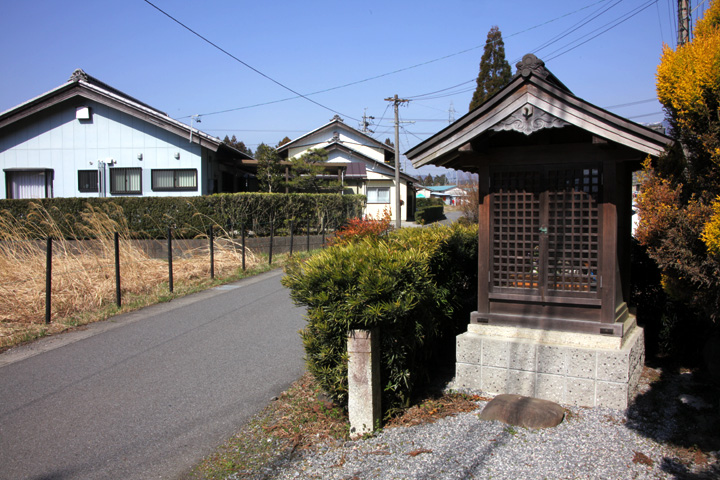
(364, 165)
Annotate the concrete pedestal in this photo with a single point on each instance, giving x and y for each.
(567, 368)
(363, 381)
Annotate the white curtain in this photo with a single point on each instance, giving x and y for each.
(163, 179)
(187, 178)
(378, 194)
(125, 180)
(27, 184)
(174, 179)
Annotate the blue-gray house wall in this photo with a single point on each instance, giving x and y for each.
(54, 139)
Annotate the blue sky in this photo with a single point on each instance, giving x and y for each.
(382, 48)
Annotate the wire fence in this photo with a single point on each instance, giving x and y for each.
(112, 260)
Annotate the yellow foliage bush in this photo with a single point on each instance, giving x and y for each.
(711, 232)
(688, 82)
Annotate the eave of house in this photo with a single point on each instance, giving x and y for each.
(336, 122)
(86, 87)
(386, 169)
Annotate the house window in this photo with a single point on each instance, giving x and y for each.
(174, 180)
(88, 181)
(36, 183)
(378, 194)
(125, 180)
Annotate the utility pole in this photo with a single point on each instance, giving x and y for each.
(683, 22)
(397, 101)
(365, 126)
(451, 113)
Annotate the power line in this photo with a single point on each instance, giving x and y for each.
(244, 63)
(619, 22)
(644, 115)
(660, 25)
(439, 91)
(445, 57)
(251, 131)
(574, 28)
(648, 100)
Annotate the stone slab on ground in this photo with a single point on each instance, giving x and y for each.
(523, 411)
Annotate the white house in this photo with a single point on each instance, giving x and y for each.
(450, 194)
(364, 165)
(88, 139)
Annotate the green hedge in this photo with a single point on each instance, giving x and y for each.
(417, 286)
(429, 214)
(429, 202)
(151, 216)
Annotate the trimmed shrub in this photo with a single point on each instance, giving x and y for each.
(429, 214)
(150, 217)
(416, 286)
(429, 202)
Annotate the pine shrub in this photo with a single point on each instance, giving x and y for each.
(417, 287)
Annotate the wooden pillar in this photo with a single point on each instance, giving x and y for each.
(608, 260)
(484, 240)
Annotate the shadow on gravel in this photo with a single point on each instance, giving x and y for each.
(680, 409)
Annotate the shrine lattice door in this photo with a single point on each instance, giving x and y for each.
(545, 231)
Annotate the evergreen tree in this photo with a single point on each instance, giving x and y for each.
(495, 71)
(233, 142)
(308, 174)
(269, 171)
(283, 142)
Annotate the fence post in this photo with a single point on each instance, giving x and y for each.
(323, 235)
(170, 256)
(212, 253)
(48, 280)
(272, 235)
(308, 235)
(242, 233)
(118, 298)
(291, 237)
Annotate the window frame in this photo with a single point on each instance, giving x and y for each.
(47, 173)
(93, 188)
(378, 188)
(114, 171)
(175, 187)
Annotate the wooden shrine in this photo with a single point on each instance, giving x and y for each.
(555, 228)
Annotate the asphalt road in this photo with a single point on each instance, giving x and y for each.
(147, 394)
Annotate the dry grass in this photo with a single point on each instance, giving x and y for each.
(83, 279)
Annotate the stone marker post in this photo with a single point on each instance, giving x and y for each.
(363, 381)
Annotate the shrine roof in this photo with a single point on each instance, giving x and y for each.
(533, 108)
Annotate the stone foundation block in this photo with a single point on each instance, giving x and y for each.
(600, 374)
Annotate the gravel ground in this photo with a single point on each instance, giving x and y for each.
(591, 443)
